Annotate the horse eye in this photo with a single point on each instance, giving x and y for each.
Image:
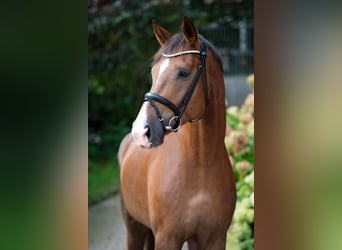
(183, 74)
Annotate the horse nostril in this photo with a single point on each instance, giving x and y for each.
(148, 133)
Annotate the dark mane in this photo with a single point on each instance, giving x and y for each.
(177, 41)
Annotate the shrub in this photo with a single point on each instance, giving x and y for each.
(240, 145)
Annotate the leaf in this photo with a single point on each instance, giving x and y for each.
(232, 120)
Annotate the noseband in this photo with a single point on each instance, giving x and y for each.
(175, 121)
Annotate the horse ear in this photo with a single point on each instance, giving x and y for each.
(189, 30)
(161, 34)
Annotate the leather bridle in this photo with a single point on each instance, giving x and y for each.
(175, 121)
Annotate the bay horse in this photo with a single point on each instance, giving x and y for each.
(177, 183)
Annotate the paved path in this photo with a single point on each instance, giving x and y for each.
(106, 228)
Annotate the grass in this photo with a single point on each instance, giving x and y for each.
(103, 179)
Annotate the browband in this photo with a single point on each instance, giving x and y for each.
(182, 53)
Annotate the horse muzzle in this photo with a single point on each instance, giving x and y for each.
(147, 137)
(147, 133)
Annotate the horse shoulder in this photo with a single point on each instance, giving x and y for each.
(124, 146)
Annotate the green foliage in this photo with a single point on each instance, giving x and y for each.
(240, 145)
(242, 229)
(103, 179)
(232, 120)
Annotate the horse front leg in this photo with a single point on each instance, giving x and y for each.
(167, 242)
(192, 244)
(214, 243)
(204, 243)
(137, 233)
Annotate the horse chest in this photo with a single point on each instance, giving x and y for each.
(188, 188)
(186, 208)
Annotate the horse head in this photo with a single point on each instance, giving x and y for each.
(174, 98)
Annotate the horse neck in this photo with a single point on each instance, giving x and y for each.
(205, 137)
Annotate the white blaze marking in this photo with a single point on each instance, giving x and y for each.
(162, 68)
(139, 130)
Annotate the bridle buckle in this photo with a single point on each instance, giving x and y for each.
(176, 126)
